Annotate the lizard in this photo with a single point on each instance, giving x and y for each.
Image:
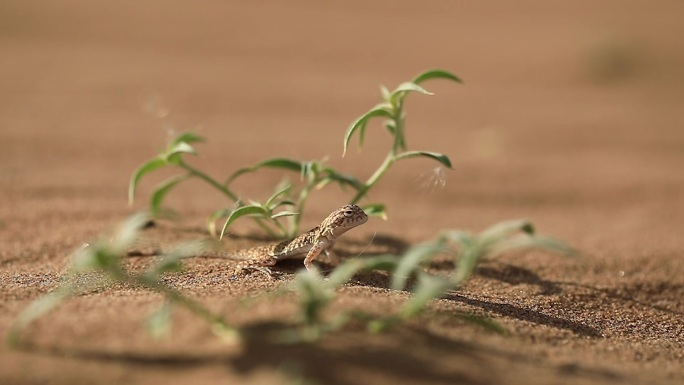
(306, 246)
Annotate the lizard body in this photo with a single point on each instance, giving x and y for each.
(307, 246)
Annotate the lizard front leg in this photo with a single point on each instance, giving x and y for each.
(318, 246)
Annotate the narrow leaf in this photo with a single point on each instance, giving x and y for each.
(146, 168)
(400, 92)
(240, 212)
(436, 74)
(411, 262)
(429, 287)
(181, 148)
(343, 179)
(283, 203)
(385, 93)
(344, 272)
(533, 242)
(310, 170)
(284, 163)
(34, 311)
(382, 109)
(159, 322)
(410, 86)
(175, 154)
(441, 158)
(171, 261)
(125, 235)
(390, 126)
(462, 238)
(387, 262)
(283, 214)
(284, 190)
(162, 189)
(505, 229)
(376, 210)
(187, 137)
(467, 262)
(211, 221)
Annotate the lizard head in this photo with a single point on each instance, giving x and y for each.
(343, 219)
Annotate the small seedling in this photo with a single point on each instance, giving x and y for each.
(392, 110)
(314, 175)
(468, 250)
(99, 265)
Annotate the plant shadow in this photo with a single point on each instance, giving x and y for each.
(516, 275)
(407, 354)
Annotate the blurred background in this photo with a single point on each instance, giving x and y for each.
(563, 102)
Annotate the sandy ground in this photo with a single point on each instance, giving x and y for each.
(570, 116)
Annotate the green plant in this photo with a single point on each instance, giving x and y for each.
(99, 265)
(314, 175)
(315, 293)
(173, 156)
(392, 109)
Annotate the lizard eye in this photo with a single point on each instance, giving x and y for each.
(348, 213)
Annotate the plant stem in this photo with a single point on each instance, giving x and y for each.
(301, 202)
(209, 180)
(225, 191)
(391, 156)
(386, 164)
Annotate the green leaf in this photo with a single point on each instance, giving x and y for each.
(376, 210)
(175, 153)
(310, 170)
(283, 214)
(391, 126)
(284, 190)
(435, 74)
(409, 87)
(385, 93)
(181, 148)
(146, 168)
(211, 221)
(404, 88)
(282, 203)
(344, 272)
(387, 262)
(159, 322)
(242, 211)
(532, 242)
(441, 158)
(162, 189)
(467, 261)
(411, 263)
(342, 179)
(125, 235)
(429, 287)
(463, 238)
(284, 163)
(314, 294)
(34, 311)
(381, 110)
(505, 229)
(187, 137)
(172, 260)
